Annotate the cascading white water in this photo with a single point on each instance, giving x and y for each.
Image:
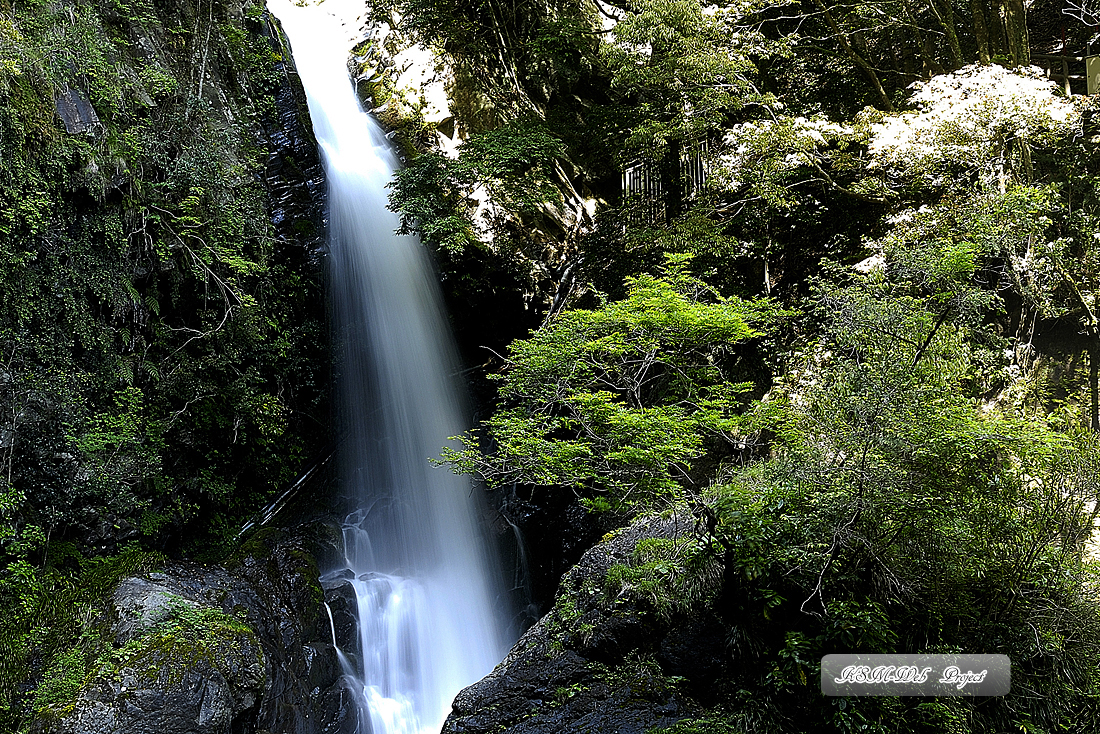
(423, 578)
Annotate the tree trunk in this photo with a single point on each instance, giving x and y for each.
(945, 14)
(998, 46)
(981, 33)
(1015, 20)
(924, 43)
(1026, 167)
(855, 57)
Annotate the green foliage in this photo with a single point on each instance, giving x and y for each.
(143, 339)
(665, 575)
(514, 164)
(896, 514)
(62, 681)
(890, 492)
(617, 403)
(517, 58)
(47, 627)
(897, 509)
(665, 78)
(903, 495)
(684, 69)
(430, 196)
(641, 676)
(160, 352)
(698, 726)
(977, 126)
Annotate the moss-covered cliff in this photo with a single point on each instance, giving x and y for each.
(163, 352)
(163, 339)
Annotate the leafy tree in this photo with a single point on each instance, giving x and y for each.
(622, 403)
(896, 514)
(972, 128)
(889, 44)
(513, 164)
(683, 69)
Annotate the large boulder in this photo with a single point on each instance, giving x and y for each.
(598, 663)
(180, 665)
(174, 661)
(241, 648)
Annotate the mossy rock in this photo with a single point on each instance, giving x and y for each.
(164, 663)
(600, 661)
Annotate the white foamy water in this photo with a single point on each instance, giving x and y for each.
(425, 584)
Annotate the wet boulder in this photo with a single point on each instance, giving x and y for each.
(244, 647)
(594, 664)
(178, 664)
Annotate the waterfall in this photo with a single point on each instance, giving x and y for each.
(425, 584)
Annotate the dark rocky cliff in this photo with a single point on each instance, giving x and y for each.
(161, 232)
(605, 658)
(165, 369)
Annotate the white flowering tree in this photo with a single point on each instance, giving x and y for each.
(974, 126)
(966, 155)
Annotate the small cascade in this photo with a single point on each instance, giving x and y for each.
(332, 625)
(346, 666)
(429, 599)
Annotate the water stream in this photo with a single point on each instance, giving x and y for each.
(425, 584)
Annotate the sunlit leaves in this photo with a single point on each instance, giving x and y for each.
(684, 69)
(899, 511)
(619, 400)
(972, 126)
(512, 165)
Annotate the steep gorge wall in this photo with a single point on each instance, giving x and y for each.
(161, 202)
(164, 358)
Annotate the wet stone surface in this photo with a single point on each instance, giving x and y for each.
(628, 672)
(240, 648)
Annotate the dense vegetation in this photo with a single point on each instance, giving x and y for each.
(861, 354)
(164, 353)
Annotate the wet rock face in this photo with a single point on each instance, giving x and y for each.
(305, 693)
(343, 608)
(176, 691)
(295, 178)
(75, 111)
(585, 667)
(546, 532)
